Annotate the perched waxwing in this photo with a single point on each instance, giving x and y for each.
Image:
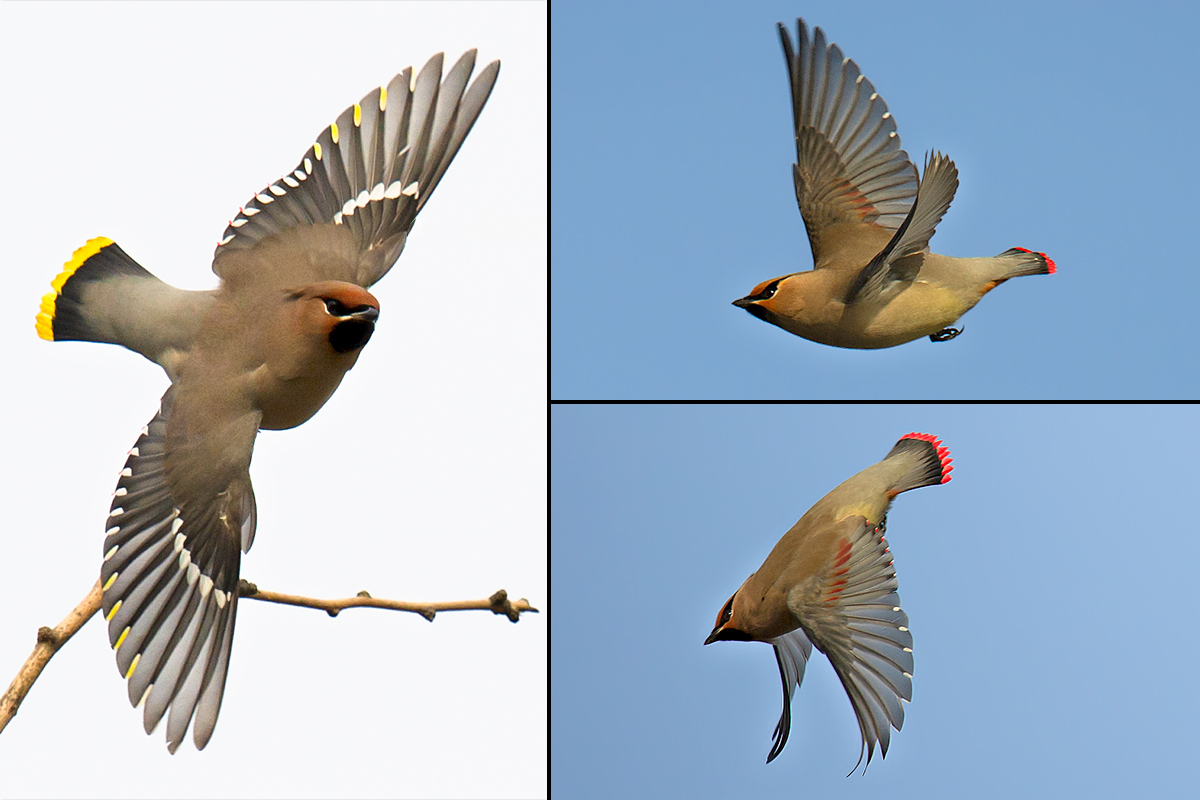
(874, 282)
(264, 350)
(829, 582)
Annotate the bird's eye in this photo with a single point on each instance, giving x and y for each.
(727, 612)
(768, 292)
(335, 307)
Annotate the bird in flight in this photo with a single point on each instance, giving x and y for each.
(264, 350)
(874, 281)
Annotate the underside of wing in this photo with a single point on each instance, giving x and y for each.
(354, 196)
(170, 576)
(850, 167)
(854, 617)
(791, 654)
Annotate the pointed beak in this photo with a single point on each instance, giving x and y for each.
(743, 302)
(714, 636)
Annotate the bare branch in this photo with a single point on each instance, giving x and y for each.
(50, 640)
(498, 603)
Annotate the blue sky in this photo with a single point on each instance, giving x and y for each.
(1049, 588)
(151, 124)
(673, 196)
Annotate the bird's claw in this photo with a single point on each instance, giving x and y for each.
(945, 334)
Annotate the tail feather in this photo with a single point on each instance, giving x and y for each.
(103, 295)
(928, 462)
(65, 314)
(1020, 261)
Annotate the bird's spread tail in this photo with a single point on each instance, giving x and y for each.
(103, 295)
(925, 459)
(1018, 261)
(70, 312)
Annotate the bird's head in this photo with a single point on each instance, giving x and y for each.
(340, 313)
(773, 299)
(726, 629)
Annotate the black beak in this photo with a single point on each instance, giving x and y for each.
(714, 636)
(743, 302)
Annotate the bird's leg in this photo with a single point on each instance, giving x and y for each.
(945, 334)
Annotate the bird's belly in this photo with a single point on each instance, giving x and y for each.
(288, 403)
(918, 310)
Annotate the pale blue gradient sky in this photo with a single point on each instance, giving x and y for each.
(1050, 588)
(672, 194)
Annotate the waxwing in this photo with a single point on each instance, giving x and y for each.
(829, 582)
(874, 282)
(264, 350)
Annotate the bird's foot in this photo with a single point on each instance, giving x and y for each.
(945, 334)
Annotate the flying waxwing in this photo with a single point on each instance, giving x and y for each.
(264, 350)
(874, 282)
(829, 582)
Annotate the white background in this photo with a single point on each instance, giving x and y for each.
(423, 478)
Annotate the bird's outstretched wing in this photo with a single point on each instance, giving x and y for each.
(938, 185)
(345, 211)
(854, 617)
(854, 183)
(182, 514)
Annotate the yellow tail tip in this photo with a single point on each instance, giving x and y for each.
(45, 316)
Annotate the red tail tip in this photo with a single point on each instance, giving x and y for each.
(1051, 268)
(942, 452)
